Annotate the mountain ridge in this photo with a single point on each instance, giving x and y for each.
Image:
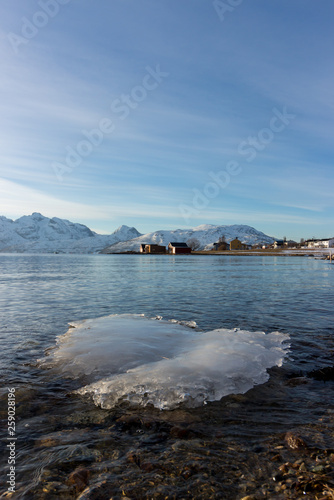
(205, 234)
(36, 233)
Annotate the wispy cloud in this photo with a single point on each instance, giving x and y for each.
(17, 200)
(225, 79)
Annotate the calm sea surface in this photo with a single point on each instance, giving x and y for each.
(226, 449)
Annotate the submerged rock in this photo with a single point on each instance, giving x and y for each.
(102, 489)
(294, 441)
(324, 374)
(79, 478)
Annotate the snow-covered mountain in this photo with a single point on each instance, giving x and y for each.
(36, 233)
(206, 235)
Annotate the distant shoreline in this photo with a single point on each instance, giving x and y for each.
(271, 252)
(325, 252)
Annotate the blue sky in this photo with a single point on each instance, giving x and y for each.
(168, 114)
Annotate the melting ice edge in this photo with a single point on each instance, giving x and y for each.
(164, 363)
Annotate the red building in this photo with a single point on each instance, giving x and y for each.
(178, 248)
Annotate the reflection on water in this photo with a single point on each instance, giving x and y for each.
(225, 449)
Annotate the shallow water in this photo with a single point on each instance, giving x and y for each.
(149, 361)
(224, 449)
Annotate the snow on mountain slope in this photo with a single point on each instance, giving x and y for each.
(36, 226)
(206, 234)
(36, 233)
(99, 242)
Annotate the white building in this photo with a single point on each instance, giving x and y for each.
(327, 243)
(278, 243)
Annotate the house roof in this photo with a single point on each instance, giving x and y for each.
(178, 245)
(319, 239)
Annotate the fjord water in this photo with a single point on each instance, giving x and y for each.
(59, 429)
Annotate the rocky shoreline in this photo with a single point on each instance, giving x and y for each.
(224, 450)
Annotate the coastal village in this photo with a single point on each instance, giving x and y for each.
(36, 233)
(222, 245)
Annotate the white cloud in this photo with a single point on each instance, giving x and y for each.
(18, 200)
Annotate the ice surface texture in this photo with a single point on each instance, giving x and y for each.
(164, 363)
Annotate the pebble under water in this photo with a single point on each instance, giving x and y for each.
(273, 440)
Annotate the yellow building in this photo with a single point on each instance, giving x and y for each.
(155, 249)
(237, 245)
